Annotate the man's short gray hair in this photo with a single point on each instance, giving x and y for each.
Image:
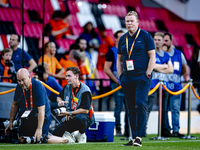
(134, 13)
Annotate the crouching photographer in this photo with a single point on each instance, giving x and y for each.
(75, 102)
(31, 101)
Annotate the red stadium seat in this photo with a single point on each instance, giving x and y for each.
(5, 15)
(74, 22)
(72, 7)
(109, 32)
(18, 28)
(76, 30)
(188, 50)
(15, 3)
(4, 41)
(63, 43)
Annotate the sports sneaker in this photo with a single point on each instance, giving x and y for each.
(68, 137)
(137, 142)
(130, 143)
(80, 138)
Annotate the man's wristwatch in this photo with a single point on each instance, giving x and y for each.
(70, 113)
(148, 75)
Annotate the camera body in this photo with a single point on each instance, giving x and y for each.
(12, 71)
(61, 109)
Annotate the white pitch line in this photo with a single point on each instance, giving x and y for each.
(153, 141)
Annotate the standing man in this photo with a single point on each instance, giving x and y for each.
(110, 68)
(174, 84)
(162, 67)
(17, 54)
(76, 96)
(135, 62)
(34, 110)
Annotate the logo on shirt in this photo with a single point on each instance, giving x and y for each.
(67, 99)
(157, 60)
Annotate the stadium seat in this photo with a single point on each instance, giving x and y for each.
(110, 33)
(111, 22)
(5, 15)
(15, 3)
(64, 43)
(188, 50)
(72, 7)
(83, 7)
(84, 18)
(1, 44)
(74, 22)
(77, 30)
(4, 41)
(18, 28)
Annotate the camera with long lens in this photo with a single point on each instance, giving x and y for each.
(61, 109)
(11, 71)
(33, 140)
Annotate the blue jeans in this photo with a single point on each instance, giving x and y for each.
(119, 101)
(80, 122)
(174, 106)
(152, 98)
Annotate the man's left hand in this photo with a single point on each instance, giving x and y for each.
(38, 134)
(64, 113)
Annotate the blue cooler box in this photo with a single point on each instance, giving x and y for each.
(103, 129)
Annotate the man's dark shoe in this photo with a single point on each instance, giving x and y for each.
(130, 143)
(137, 142)
(118, 133)
(166, 134)
(177, 134)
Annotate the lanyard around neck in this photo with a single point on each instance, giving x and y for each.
(74, 93)
(31, 97)
(129, 53)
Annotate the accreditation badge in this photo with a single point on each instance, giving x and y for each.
(26, 114)
(129, 65)
(75, 99)
(176, 65)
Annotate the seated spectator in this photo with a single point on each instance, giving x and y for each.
(93, 40)
(50, 81)
(17, 54)
(77, 96)
(91, 67)
(72, 61)
(83, 68)
(55, 69)
(60, 25)
(7, 68)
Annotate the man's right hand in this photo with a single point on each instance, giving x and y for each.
(10, 126)
(62, 103)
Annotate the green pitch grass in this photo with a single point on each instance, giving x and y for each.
(171, 144)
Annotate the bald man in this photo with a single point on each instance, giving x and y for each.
(34, 109)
